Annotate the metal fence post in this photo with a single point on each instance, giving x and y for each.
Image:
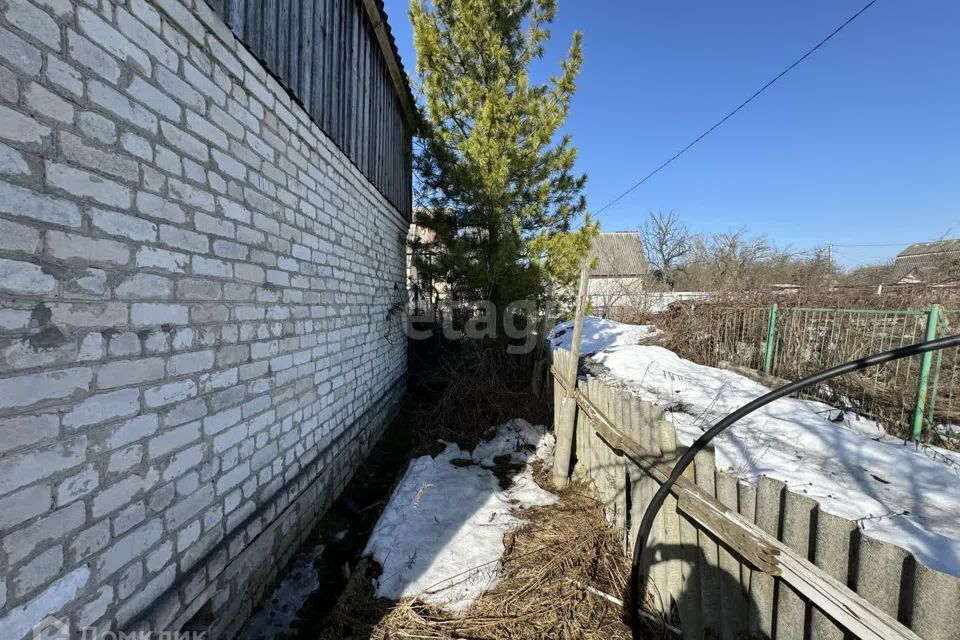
(933, 318)
(771, 329)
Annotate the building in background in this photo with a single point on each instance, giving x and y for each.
(620, 274)
(935, 264)
(424, 292)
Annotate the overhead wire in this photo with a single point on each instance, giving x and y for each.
(738, 108)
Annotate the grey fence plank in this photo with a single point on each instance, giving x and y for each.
(253, 27)
(691, 602)
(710, 582)
(635, 426)
(271, 10)
(832, 554)
(619, 472)
(582, 430)
(308, 52)
(294, 53)
(882, 572)
(658, 546)
(673, 557)
(283, 40)
(935, 614)
(235, 16)
(747, 507)
(734, 622)
(799, 518)
(762, 586)
(605, 479)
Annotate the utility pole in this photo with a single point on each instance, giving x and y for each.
(830, 257)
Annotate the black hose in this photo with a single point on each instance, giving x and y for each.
(638, 573)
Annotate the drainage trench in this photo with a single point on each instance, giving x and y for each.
(315, 578)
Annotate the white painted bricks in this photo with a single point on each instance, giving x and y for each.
(195, 289)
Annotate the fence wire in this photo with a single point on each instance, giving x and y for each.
(792, 342)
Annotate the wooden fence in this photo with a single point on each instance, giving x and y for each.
(739, 560)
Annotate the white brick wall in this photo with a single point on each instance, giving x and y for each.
(196, 336)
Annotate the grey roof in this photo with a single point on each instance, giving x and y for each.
(870, 275)
(619, 253)
(928, 262)
(925, 248)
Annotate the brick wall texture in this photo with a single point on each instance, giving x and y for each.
(199, 325)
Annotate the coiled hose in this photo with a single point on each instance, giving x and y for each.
(639, 572)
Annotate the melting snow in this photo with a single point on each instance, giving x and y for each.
(440, 538)
(600, 334)
(899, 493)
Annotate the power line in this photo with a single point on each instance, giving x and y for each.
(887, 244)
(903, 243)
(742, 105)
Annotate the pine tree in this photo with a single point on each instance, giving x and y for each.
(495, 180)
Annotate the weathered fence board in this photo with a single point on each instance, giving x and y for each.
(731, 558)
(672, 558)
(734, 597)
(763, 586)
(798, 512)
(690, 606)
(832, 554)
(936, 604)
(747, 508)
(710, 599)
(880, 574)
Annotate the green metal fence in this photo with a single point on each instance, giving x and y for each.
(916, 397)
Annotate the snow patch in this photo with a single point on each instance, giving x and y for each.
(440, 537)
(899, 493)
(600, 334)
(518, 439)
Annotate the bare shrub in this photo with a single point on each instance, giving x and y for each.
(474, 385)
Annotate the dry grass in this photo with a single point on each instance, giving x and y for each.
(483, 387)
(550, 564)
(547, 567)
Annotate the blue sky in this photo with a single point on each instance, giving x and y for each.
(859, 145)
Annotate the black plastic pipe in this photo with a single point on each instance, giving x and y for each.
(638, 573)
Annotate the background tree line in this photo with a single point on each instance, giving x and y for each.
(683, 260)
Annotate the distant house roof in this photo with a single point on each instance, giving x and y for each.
(619, 253)
(927, 263)
(870, 275)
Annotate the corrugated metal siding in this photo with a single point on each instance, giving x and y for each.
(619, 253)
(326, 53)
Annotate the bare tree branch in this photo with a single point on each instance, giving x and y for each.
(666, 240)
